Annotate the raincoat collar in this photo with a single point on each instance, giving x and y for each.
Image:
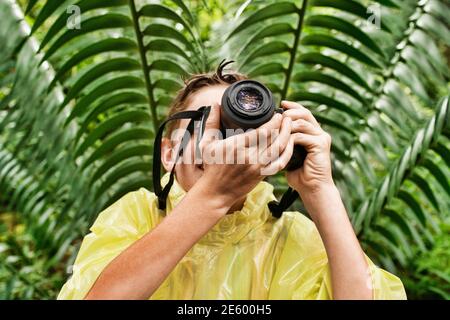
(234, 226)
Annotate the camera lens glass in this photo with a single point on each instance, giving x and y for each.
(249, 99)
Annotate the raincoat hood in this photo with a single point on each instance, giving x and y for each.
(234, 226)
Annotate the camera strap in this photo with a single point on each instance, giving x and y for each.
(275, 207)
(200, 114)
(288, 198)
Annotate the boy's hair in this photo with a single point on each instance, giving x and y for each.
(197, 82)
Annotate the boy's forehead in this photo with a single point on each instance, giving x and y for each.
(206, 96)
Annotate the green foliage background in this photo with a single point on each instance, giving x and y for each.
(79, 108)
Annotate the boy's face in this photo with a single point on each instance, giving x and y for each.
(187, 172)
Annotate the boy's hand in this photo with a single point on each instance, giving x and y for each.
(231, 178)
(315, 173)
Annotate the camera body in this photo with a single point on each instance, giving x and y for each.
(248, 104)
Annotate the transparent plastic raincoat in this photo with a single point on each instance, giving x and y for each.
(246, 255)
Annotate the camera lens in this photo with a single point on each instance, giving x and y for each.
(249, 99)
(246, 104)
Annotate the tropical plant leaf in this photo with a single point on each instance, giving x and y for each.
(79, 107)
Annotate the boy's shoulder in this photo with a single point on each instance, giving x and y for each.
(296, 220)
(301, 231)
(136, 210)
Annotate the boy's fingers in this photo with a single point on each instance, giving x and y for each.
(296, 111)
(309, 142)
(291, 105)
(303, 126)
(273, 123)
(280, 163)
(277, 147)
(264, 132)
(296, 114)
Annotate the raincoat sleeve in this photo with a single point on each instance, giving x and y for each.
(115, 228)
(303, 271)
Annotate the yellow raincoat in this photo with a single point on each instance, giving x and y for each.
(246, 255)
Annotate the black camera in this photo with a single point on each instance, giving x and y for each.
(248, 104)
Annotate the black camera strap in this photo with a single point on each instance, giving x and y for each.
(275, 207)
(200, 114)
(288, 198)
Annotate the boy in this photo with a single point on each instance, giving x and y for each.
(217, 238)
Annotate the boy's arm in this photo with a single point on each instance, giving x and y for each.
(350, 273)
(140, 269)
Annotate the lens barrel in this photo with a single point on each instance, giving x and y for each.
(247, 104)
